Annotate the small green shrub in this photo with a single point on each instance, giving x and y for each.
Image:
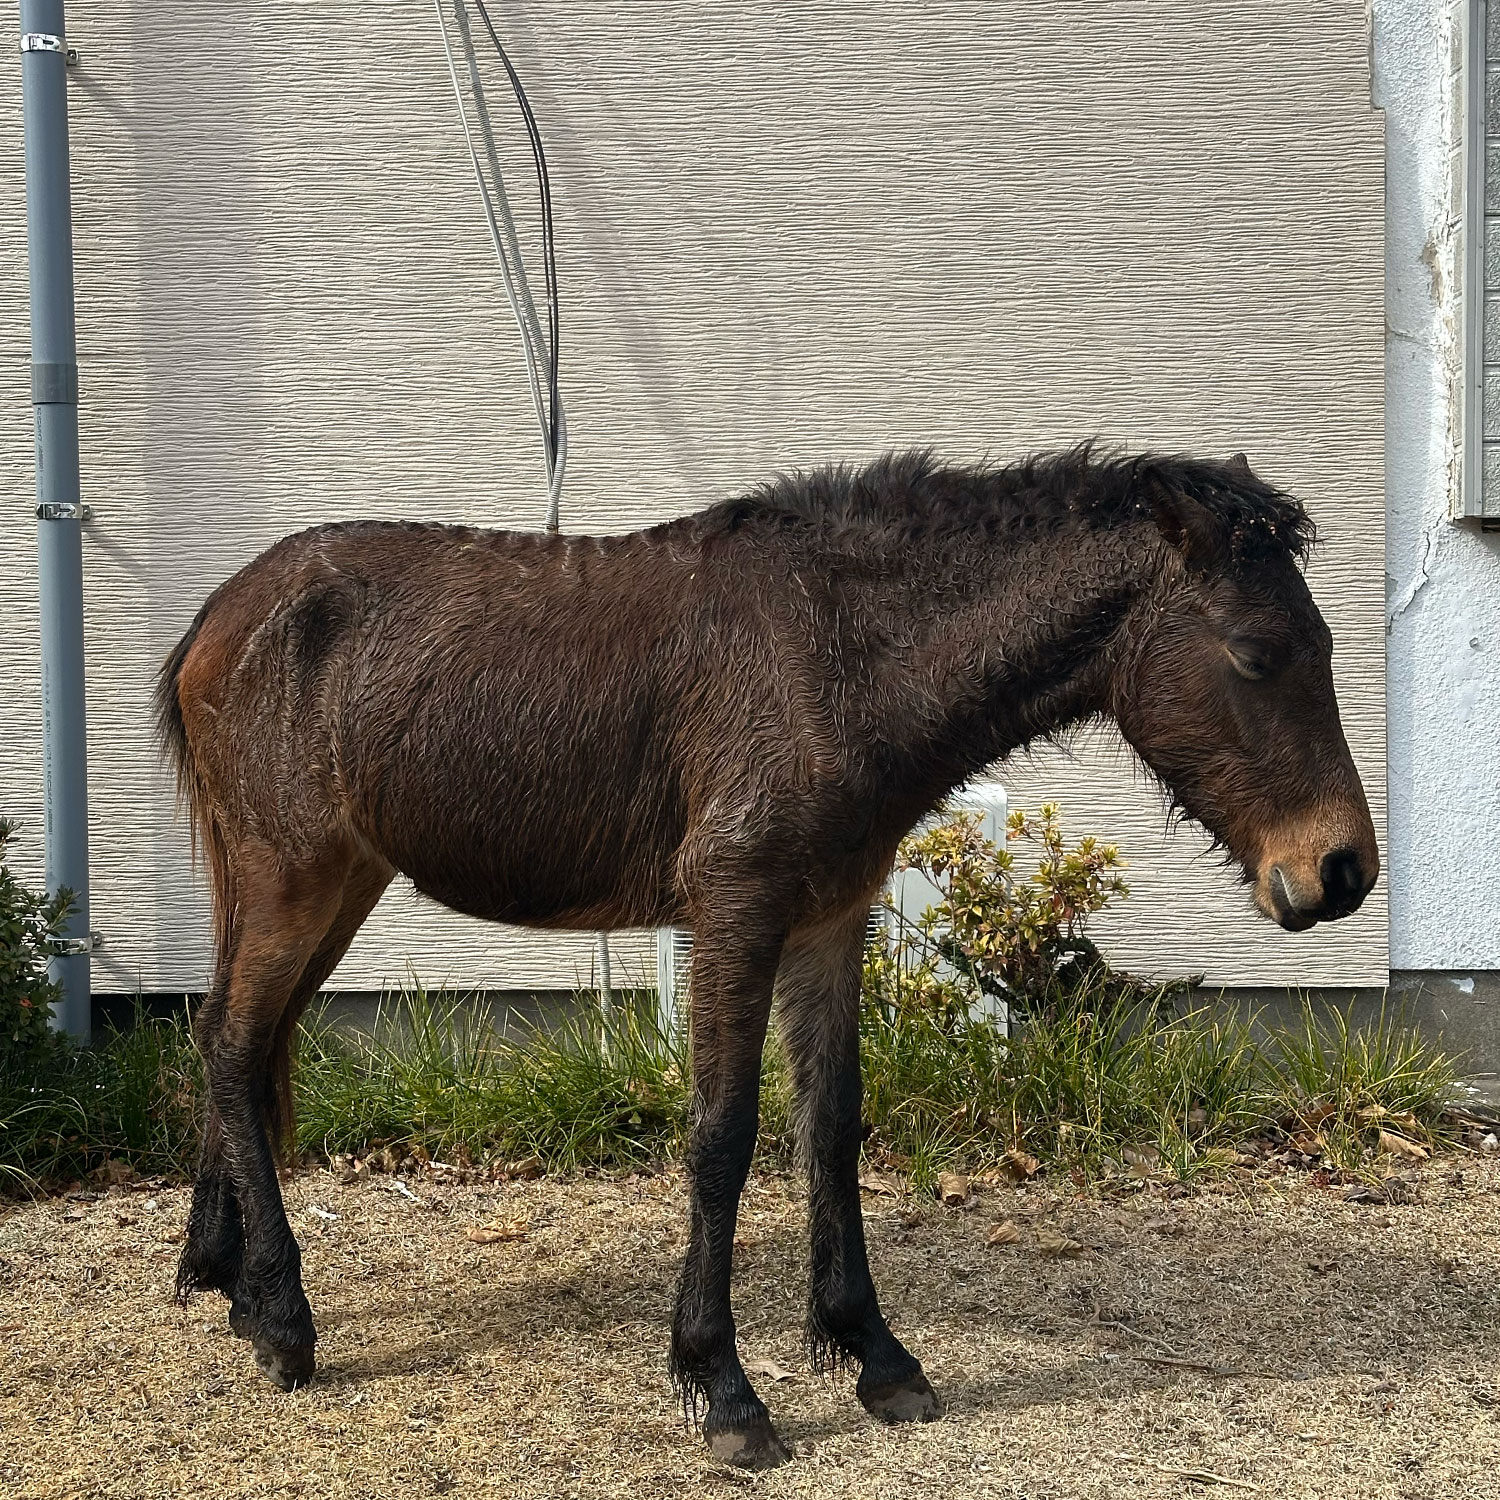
(1018, 940)
(29, 923)
(1342, 1086)
(1097, 1064)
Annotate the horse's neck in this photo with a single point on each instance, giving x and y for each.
(994, 649)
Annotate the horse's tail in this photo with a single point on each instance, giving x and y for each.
(209, 843)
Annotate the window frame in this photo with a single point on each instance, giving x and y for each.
(1477, 500)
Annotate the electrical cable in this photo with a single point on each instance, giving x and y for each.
(541, 350)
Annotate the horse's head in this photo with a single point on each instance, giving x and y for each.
(1226, 692)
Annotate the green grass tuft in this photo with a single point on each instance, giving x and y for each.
(134, 1095)
(598, 1091)
(1077, 1086)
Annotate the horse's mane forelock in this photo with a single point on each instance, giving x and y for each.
(1085, 487)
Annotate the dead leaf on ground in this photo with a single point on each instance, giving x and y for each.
(1398, 1145)
(1388, 1190)
(953, 1190)
(768, 1368)
(1452, 1270)
(1166, 1226)
(527, 1169)
(1003, 1233)
(498, 1234)
(1143, 1163)
(1018, 1165)
(1054, 1243)
(881, 1182)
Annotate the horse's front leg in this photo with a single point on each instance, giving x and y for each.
(817, 991)
(731, 1004)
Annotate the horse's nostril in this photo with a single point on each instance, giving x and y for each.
(1343, 877)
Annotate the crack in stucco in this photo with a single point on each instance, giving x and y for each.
(1404, 336)
(1431, 536)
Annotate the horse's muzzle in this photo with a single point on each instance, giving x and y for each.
(1344, 879)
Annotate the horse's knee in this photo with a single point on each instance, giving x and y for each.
(720, 1150)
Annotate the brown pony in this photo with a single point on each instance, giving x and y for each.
(726, 722)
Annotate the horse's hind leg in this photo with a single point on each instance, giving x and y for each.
(817, 993)
(211, 1259)
(293, 924)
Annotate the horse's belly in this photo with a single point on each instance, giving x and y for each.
(499, 868)
(532, 903)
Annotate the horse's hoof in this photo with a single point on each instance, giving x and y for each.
(285, 1366)
(912, 1400)
(754, 1447)
(241, 1324)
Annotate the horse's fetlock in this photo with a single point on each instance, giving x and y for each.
(699, 1346)
(204, 1266)
(841, 1320)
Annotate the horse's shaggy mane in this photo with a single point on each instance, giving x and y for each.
(1081, 488)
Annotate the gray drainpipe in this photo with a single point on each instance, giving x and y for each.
(60, 510)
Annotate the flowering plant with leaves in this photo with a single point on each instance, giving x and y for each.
(28, 927)
(1020, 940)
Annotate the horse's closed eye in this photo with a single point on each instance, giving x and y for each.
(1250, 661)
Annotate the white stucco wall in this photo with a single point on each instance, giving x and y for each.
(1443, 578)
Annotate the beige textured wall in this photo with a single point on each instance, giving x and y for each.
(787, 234)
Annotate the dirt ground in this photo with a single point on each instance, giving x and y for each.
(1272, 1335)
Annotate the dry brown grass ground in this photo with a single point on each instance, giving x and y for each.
(1366, 1340)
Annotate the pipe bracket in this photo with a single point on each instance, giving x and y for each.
(45, 41)
(67, 947)
(54, 383)
(64, 510)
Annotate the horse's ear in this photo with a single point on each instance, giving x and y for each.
(1239, 463)
(1187, 526)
